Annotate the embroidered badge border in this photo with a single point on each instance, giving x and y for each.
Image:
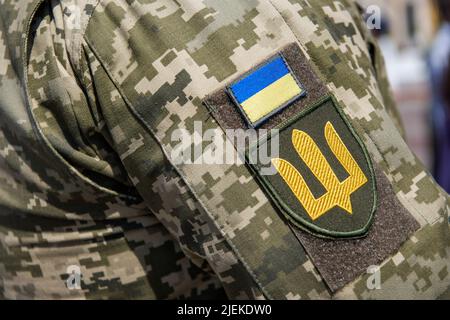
(296, 219)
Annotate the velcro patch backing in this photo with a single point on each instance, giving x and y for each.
(341, 261)
(340, 206)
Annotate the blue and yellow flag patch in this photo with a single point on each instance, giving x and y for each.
(266, 90)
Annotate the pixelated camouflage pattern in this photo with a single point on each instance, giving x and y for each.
(88, 107)
(52, 214)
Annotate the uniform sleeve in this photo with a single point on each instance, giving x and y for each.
(148, 69)
(94, 165)
(378, 63)
(163, 188)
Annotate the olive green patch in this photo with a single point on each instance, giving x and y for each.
(334, 221)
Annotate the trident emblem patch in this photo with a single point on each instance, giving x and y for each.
(337, 193)
(323, 179)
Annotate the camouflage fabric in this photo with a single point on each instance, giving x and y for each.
(91, 92)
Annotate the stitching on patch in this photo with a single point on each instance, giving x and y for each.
(337, 192)
(294, 218)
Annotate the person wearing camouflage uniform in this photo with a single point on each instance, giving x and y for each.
(91, 92)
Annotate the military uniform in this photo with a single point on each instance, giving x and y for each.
(91, 92)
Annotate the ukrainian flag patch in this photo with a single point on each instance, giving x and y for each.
(266, 90)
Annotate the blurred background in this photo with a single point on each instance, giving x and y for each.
(415, 40)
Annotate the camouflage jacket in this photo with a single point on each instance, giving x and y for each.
(91, 93)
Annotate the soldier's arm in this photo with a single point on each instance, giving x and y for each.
(152, 69)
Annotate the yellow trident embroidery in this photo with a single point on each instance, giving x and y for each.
(337, 193)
